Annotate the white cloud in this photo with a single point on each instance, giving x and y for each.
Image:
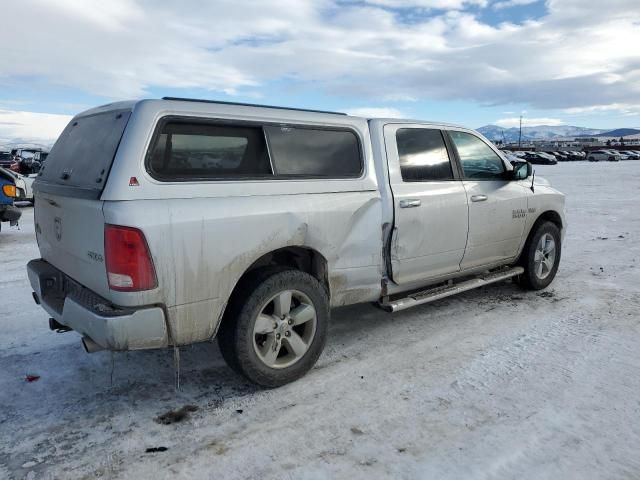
(621, 108)
(579, 55)
(375, 112)
(439, 4)
(528, 122)
(512, 3)
(31, 126)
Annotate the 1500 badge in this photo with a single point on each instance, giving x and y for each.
(521, 212)
(96, 257)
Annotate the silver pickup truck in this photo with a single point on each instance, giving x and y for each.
(167, 222)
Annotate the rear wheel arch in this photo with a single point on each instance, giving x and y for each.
(304, 259)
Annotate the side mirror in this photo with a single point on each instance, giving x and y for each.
(521, 170)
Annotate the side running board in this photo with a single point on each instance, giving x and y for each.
(436, 293)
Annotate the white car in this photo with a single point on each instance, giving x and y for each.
(167, 222)
(603, 156)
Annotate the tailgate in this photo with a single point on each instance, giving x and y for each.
(68, 209)
(70, 233)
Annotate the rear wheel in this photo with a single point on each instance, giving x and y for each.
(541, 257)
(276, 333)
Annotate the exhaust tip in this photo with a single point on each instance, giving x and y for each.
(90, 346)
(57, 326)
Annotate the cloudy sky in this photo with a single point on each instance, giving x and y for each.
(472, 62)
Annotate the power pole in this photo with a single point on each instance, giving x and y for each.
(520, 134)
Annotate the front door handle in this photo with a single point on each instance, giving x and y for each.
(479, 198)
(410, 203)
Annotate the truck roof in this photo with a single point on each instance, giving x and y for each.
(211, 106)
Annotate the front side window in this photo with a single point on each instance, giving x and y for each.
(479, 161)
(185, 150)
(314, 152)
(423, 155)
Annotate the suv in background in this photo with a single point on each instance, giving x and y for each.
(603, 156)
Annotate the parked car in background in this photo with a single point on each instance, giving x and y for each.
(8, 192)
(169, 222)
(603, 156)
(540, 158)
(630, 154)
(23, 183)
(511, 156)
(561, 157)
(571, 156)
(6, 159)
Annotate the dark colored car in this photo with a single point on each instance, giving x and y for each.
(560, 156)
(5, 159)
(540, 158)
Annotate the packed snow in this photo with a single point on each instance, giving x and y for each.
(494, 383)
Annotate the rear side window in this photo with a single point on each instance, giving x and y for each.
(423, 155)
(82, 156)
(314, 152)
(186, 150)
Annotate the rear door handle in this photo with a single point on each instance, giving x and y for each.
(479, 198)
(410, 203)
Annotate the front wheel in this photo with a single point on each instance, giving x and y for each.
(276, 332)
(541, 257)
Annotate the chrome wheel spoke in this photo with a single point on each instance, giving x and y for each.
(545, 256)
(295, 344)
(282, 304)
(270, 350)
(302, 314)
(264, 324)
(537, 257)
(539, 269)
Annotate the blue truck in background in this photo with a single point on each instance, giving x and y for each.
(8, 192)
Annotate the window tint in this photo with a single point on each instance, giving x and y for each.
(423, 155)
(82, 156)
(479, 161)
(193, 150)
(314, 152)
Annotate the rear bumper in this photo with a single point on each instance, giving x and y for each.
(111, 327)
(9, 213)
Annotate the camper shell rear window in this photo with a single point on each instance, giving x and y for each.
(80, 160)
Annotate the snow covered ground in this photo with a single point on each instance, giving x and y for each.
(494, 383)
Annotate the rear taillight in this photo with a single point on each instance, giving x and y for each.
(129, 264)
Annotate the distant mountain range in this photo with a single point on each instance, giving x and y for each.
(547, 132)
(619, 132)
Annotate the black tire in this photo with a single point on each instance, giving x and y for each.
(530, 279)
(236, 335)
